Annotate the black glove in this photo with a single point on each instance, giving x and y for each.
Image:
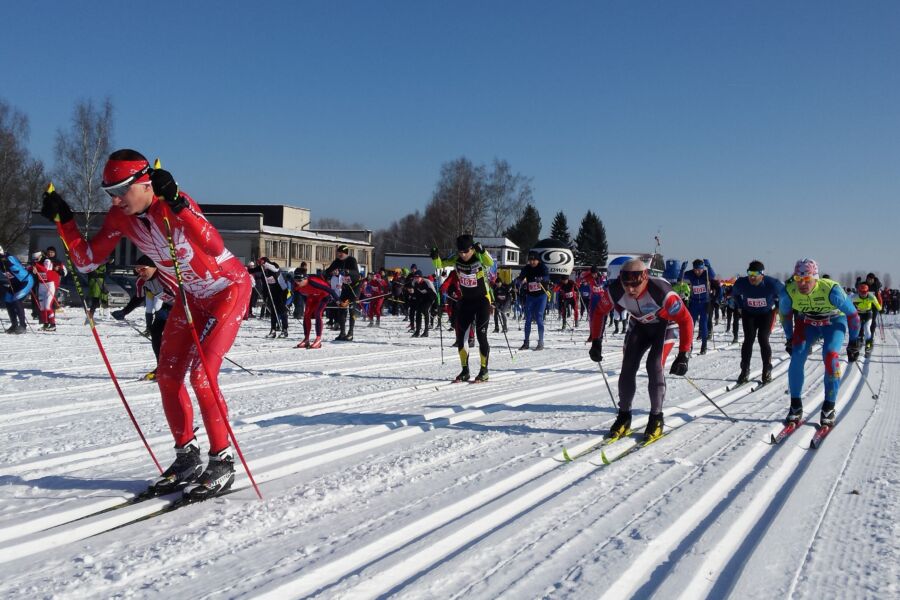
(853, 350)
(788, 346)
(54, 206)
(479, 248)
(434, 254)
(118, 315)
(680, 364)
(165, 187)
(596, 351)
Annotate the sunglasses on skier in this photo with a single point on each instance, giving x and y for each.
(120, 189)
(755, 273)
(804, 278)
(632, 278)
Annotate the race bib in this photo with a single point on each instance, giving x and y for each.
(468, 280)
(698, 289)
(534, 286)
(817, 322)
(756, 302)
(596, 289)
(570, 294)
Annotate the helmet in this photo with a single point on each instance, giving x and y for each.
(145, 261)
(698, 264)
(807, 267)
(37, 255)
(863, 288)
(344, 248)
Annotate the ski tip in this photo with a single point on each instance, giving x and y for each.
(566, 455)
(157, 164)
(603, 457)
(50, 188)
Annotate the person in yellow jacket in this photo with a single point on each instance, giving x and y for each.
(867, 306)
(471, 262)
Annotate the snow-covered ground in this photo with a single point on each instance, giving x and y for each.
(382, 479)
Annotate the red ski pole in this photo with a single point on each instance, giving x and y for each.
(187, 313)
(109, 368)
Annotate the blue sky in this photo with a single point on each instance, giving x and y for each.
(739, 130)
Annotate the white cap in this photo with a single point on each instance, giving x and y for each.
(37, 255)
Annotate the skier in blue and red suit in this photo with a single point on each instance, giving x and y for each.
(698, 303)
(814, 308)
(317, 293)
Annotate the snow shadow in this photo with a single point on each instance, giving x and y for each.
(66, 482)
(392, 421)
(24, 374)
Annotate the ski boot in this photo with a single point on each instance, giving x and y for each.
(767, 374)
(415, 334)
(184, 470)
(348, 337)
(744, 377)
(303, 344)
(654, 428)
(463, 375)
(703, 347)
(795, 412)
(11, 329)
(271, 334)
(424, 334)
(540, 346)
(621, 426)
(371, 324)
(316, 343)
(52, 327)
(868, 350)
(524, 345)
(826, 417)
(482, 375)
(283, 333)
(496, 330)
(734, 340)
(151, 376)
(342, 337)
(215, 479)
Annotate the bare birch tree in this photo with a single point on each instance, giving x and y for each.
(80, 155)
(21, 178)
(506, 195)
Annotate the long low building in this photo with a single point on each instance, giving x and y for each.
(281, 233)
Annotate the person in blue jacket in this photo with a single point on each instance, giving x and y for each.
(756, 300)
(534, 279)
(813, 309)
(16, 282)
(698, 302)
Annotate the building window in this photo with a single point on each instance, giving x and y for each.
(270, 248)
(325, 253)
(363, 256)
(283, 249)
(512, 256)
(305, 252)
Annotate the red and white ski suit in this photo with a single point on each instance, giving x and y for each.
(218, 289)
(48, 283)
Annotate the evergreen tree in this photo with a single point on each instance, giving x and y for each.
(527, 230)
(591, 243)
(559, 230)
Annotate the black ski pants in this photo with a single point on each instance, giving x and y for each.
(757, 326)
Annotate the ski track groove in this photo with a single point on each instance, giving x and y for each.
(387, 580)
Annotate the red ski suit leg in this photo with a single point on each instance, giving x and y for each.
(216, 320)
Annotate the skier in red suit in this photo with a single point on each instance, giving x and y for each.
(317, 293)
(216, 284)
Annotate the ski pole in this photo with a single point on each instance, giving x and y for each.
(866, 381)
(705, 395)
(214, 386)
(275, 314)
(608, 389)
(506, 337)
(93, 327)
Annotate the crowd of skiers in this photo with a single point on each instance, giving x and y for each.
(195, 294)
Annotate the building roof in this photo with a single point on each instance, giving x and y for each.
(496, 242)
(310, 235)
